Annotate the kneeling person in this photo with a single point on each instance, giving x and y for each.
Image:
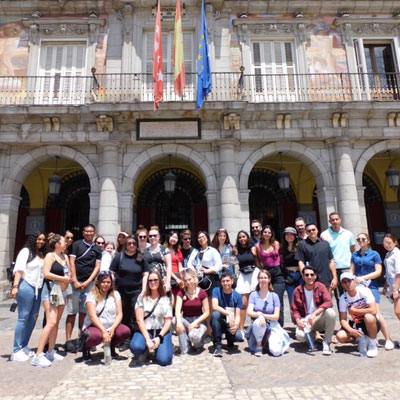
(360, 303)
(312, 308)
(226, 305)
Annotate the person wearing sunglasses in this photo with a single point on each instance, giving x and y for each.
(142, 235)
(366, 265)
(256, 228)
(131, 270)
(69, 239)
(312, 310)
(186, 248)
(317, 253)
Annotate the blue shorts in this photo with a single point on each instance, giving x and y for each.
(375, 292)
(46, 292)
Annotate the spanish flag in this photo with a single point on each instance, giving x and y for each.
(177, 57)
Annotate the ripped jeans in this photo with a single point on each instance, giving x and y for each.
(28, 309)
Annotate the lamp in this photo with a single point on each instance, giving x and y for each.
(169, 180)
(55, 182)
(392, 175)
(283, 176)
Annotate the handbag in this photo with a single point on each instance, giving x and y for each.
(204, 282)
(247, 269)
(10, 272)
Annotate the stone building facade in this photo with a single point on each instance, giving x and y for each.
(311, 87)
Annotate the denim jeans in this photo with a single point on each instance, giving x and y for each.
(290, 288)
(164, 353)
(256, 335)
(28, 310)
(219, 326)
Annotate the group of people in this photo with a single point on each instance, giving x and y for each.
(139, 292)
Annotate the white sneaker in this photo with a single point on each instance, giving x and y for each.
(53, 356)
(20, 355)
(389, 345)
(326, 348)
(28, 351)
(40, 361)
(258, 352)
(372, 348)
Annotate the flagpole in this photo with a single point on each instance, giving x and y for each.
(158, 79)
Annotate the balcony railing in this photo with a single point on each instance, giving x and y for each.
(227, 86)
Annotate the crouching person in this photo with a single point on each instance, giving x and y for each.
(359, 301)
(226, 305)
(153, 315)
(104, 315)
(312, 309)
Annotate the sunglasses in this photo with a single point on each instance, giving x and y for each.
(309, 275)
(152, 236)
(105, 273)
(310, 230)
(100, 242)
(361, 239)
(153, 280)
(187, 239)
(69, 237)
(142, 237)
(131, 244)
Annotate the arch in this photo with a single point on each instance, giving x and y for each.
(318, 167)
(27, 162)
(157, 152)
(369, 153)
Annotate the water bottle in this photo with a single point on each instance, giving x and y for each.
(310, 341)
(107, 354)
(362, 344)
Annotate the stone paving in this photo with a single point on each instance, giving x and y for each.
(238, 375)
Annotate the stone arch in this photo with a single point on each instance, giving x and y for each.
(154, 153)
(369, 153)
(311, 160)
(27, 162)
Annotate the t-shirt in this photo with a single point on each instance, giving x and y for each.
(392, 265)
(340, 243)
(362, 298)
(32, 270)
(233, 299)
(310, 301)
(194, 307)
(109, 313)
(265, 306)
(85, 261)
(156, 319)
(155, 258)
(129, 271)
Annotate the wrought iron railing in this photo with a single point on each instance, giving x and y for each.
(227, 86)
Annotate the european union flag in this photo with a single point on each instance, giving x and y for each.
(204, 83)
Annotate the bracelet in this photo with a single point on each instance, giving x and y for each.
(15, 286)
(161, 337)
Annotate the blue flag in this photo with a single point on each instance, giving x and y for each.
(204, 82)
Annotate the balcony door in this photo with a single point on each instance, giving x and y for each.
(61, 73)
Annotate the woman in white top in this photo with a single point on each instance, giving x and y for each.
(27, 290)
(392, 265)
(107, 256)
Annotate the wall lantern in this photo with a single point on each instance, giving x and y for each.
(169, 180)
(55, 182)
(283, 176)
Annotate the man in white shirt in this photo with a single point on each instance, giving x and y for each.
(360, 303)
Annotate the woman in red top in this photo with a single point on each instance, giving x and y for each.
(192, 310)
(172, 242)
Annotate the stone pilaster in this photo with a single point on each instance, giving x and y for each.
(326, 204)
(212, 210)
(363, 211)
(126, 206)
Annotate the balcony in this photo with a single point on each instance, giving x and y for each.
(227, 86)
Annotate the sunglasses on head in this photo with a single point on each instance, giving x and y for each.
(105, 274)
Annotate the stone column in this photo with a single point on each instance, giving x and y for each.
(94, 208)
(126, 201)
(244, 211)
(326, 204)
(108, 202)
(212, 211)
(363, 211)
(9, 204)
(228, 185)
(347, 199)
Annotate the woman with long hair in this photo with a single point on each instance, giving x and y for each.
(264, 309)
(366, 266)
(142, 235)
(268, 257)
(69, 239)
(222, 243)
(172, 243)
(392, 265)
(191, 312)
(57, 278)
(245, 253)
(153, 314)
(27, 290)
(121, 239)
(290, 266)
(104, 315)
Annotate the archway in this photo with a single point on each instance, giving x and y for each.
(185, 208)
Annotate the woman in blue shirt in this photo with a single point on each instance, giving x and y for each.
(366, 265)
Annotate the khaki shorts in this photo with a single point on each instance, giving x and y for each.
(76, 299)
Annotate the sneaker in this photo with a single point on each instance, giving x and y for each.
(19, 355)
(326, 348)
(40, 361)
(389, 345)
(53, 356)
(70, 346)
(28, 351)
(372, 348)
(218, 352)
(258, 352)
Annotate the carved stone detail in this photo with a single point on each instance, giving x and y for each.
(232, 121)
(104, 123)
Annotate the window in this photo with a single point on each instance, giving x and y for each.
(167, 49)
(376, 68)
(274, 71)
(61, 73)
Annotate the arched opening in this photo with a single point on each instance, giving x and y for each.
(185, 208)
(279, 207)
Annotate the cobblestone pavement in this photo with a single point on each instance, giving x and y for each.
(236, 376)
